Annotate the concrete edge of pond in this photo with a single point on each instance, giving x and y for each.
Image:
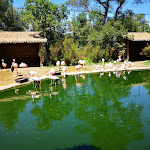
(2, 88)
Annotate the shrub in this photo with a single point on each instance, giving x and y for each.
(70, 52)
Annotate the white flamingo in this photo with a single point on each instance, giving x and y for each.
(31, 73)
(130, 63)
(36, 79)
(52, 71)
(78, 67)
(119, 58)
(52, 77)
(81, 62)
(58, 64)
(14, 65)
(4, 64)
(63, 63)
(64, 70)
(103, 61)
(23, 65)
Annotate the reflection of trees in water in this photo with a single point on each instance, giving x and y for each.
(13, 104)
(110, 123)
(146, 78)
(9, 113)
(53, 108)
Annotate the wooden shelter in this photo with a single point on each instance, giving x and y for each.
(135, 42)
(21, 46)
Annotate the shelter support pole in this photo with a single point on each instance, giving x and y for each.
(40, 54)
(127, 50)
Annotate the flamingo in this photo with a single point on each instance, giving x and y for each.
(110, 65)
(119, 58)
(36, 79)
(63, 63)
(78, 67)
(103, 61)
(52, 71)
(58, 64)
(64, 70)
(14, 65)
(52, 77)
(4, 64)
(81, 62)
(23, 65)
(125, 63)
(98, 67)
(31, 73)
(130, 63)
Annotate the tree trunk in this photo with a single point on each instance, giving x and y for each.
(117, 10)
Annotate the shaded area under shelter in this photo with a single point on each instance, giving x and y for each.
(21, 46)
(135, 42)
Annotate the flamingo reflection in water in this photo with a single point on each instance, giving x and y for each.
(78, 84)
(64, 83)
(34, 94)
(52, 92)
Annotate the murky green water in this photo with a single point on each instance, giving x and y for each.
(94, 111)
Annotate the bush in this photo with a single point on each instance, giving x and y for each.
(146, 51)
(55, 53)
(70, 52)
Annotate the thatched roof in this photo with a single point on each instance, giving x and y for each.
(138, 36)
(21, 37)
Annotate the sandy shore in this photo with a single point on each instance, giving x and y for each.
(7, 79)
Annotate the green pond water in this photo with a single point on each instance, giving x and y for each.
(87, 112)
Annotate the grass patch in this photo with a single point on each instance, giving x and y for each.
(147, 63)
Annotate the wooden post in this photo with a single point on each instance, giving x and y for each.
(127, 49)
(40, 55)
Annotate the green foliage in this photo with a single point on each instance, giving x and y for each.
(55, 53)
(45, 16)
(10, 18)
(147, 63)
(146, 51)
(80, 29)
(70, 52)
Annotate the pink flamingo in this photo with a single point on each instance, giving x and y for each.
(23, 65)
(64, 70)
(58, 64)
(63, 63)
(78, 67)
(4, 64)
(52, 77)
(14, 65)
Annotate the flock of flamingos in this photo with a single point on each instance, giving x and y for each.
(81, 64)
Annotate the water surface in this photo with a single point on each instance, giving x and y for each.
(108, 111)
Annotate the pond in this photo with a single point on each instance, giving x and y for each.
(109, 111)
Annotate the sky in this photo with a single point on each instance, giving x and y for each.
(142, 8)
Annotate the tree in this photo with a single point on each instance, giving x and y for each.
(146, 51)
(107, 5)
(9, 17)
(47, 17)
